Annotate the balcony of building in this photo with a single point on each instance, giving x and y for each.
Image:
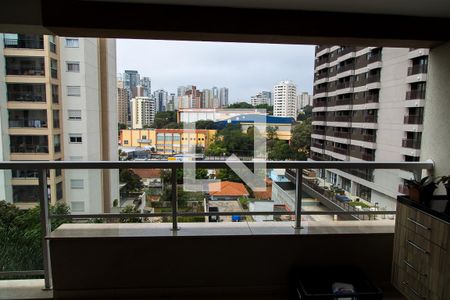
(373, 57)
(20, 118)
(26, 92)
(321, 102)
(23, 41)
(25, 66)
(413, 119)
(364, 153)
(29, 144)
(364, 116)
(338, 132)
(344, 84)
(322, 62)
(411, 143)
(415, 94)
(364, 135)
(418, 69)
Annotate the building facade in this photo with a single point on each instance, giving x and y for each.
(143, 111)
(123, 100)
(52, 88)
(261, 98)
(223, 97)
(368, 106)
(167, 141)
(161, 98)
(285, 99)
(304, 99)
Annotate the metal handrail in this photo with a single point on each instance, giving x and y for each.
(45, 217)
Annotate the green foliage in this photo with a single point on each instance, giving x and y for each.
(133, 181)
(182, 196)
(164, 118)
(281, 151)
(240, 105)
(301, 140)
(20, 235)
(271, 132)
(231, 140)
(305, 114)
(205, 124)
(267, 107)
(122, 126)
(130, 209)
(228, 175)
(115, 203)
(244, 202)
(166, 175)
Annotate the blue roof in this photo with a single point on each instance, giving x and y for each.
(254, 118)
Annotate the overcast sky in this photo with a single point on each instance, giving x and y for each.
(244, 68)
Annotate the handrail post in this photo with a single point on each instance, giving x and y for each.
(45, 226)
(174, 200)
(298, 198)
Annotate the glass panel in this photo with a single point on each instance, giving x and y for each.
(29, 66)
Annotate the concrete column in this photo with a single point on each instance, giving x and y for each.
(436, 134)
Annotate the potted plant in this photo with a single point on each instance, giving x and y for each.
(421, 190)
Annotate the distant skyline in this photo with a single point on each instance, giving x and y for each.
(244, 68)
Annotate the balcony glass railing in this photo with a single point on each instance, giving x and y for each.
(26, 66)
(296, 197)
(24, 43)
(27, 123)
(413, 119)
(417, 69)
(415, 95)
(411, 143)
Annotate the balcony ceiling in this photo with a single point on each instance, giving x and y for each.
(420, 8)
(403, 23)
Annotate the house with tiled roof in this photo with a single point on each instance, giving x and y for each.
(227, 190)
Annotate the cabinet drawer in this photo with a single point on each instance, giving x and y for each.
(408, 285)
(426, 226)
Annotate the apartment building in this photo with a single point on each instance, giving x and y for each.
(285, 99)
(368, 106)
(304, 99)
(54, 90)
(161, 98)
(261, 98)
(31, 113)
(123, 99)
(223, 97)
(89, 119)
(143, 111)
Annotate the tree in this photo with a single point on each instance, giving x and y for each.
(20, 235)
(240, 105)
(267, 107)
(130, 209)
(183, 196)
(281, 151)
(166, 175)
(231, 140)
(163, 118)
(133, 181)
(228, 175)
(301, 140)
(305, 114)
(205, 124)
(271, 132)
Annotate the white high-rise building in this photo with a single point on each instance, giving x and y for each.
(146, 84)
(143, 111)
(304, 99)
(207, 99)
(285, 99)
(172, 102)
(89, 120)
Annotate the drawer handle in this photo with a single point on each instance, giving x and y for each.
(419, 224)
(418, 247)
(412, 290)
(413, 268)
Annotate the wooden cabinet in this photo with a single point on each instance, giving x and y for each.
(421, 266)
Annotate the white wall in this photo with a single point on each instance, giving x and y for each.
(436, 134)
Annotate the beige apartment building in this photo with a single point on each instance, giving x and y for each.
(368, 106)
(50, 96)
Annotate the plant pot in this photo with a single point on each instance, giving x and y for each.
(426, 193)
(414, 193)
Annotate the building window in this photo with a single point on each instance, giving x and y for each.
(56, 119)
(75, 139)
(73, 66)
(76, 183)
(125, 142)
(59, 191)
(73, 90)
(72, 43)
(54, 68)
(74, 114)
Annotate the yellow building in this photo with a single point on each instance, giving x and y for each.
(167, 141)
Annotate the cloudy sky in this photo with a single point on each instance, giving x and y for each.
(244, 68)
